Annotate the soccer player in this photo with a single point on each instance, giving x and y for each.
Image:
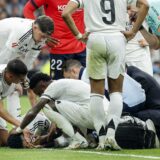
(22, 38)
(60, 95)
(105, 20)
(38, 127)
(69, 46)
(12, 74)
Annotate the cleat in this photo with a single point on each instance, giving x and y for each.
(150, 126)
(77, 145)
(110, 143)
(100, 147)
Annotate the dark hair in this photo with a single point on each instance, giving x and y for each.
(15, 141)
(70, 63)
(17, 67)
(31, 73)
(37, 77)
(46, 24)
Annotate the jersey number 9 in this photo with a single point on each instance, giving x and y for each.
(107, 7)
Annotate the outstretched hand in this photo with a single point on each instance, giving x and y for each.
(52, 42)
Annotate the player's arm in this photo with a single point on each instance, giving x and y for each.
(32, 113)
(67, 17)
(153, 40)
(142, 12)
(32, 97)
(31, 6)
(7, 116)
(9, 48)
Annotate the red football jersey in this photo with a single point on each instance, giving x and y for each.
(53, 8)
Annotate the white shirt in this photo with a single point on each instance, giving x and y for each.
(134, 52)
(132, 91)
(68, 89)
(16, 41)
(40, 122)
(104, 16)
(5, 89)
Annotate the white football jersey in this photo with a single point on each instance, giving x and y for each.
(68, 89)
(5, 89)
(104, 15)
(16, 41)
(40, 122)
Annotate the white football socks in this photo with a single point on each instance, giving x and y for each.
(114, 113)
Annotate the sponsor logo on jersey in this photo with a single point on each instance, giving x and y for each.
(62, 7)
(23, 49)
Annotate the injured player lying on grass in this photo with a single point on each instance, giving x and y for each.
(69, 100)
(43, 133)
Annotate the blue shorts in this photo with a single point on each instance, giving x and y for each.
(57, 60)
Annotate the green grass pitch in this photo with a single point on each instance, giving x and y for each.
(60, 154)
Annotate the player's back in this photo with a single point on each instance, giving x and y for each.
(104, 16)
(14, 25)
(10, 23)
(69, 89)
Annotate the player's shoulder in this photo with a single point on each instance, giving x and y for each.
(17, 20)
(23, 28)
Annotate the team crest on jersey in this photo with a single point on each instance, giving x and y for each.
(15, 45)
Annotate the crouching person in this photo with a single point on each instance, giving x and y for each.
(10, 76)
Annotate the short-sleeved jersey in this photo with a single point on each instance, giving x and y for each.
(153, 17)
(68, 89)
(54, 8)
(5, 89)
(16, 41)
(104, 15)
